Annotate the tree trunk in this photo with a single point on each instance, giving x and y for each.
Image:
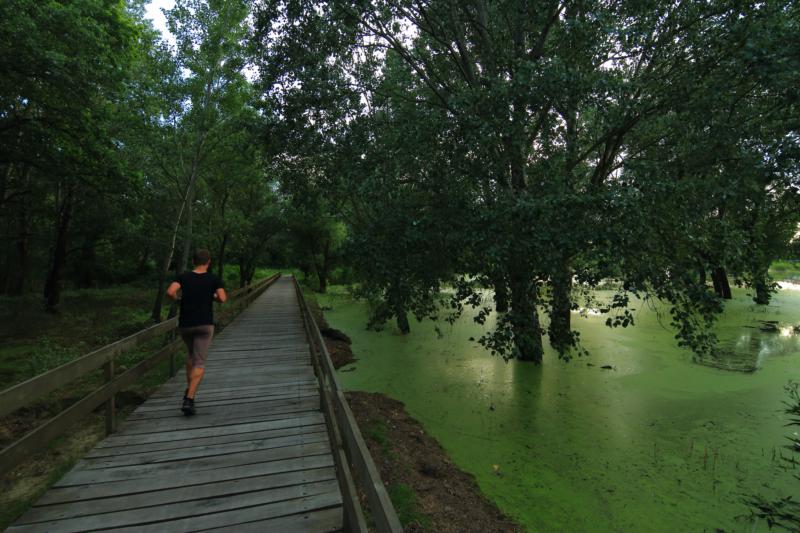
(52, 287)
(162, 274)
(323, 280)
(242, 273)
(560, 330)
(500, 294)
(221, 257)
(525, 319)
(251, 272)
(761, 285)
(402, 320)
(18, 277)
(322, 274)
(180, 268)
(162, 278)
(187, 238)
(721, 285)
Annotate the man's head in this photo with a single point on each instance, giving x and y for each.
(201, 257)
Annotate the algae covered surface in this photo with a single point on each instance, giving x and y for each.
(658, 442)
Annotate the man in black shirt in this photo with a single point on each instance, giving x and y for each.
(199, 288)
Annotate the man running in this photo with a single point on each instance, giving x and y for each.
(199, 288)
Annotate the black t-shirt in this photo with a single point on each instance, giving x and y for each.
(197, 298)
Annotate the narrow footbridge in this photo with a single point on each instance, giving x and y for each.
(273, 446)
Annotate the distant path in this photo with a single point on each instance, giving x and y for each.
(256, 457)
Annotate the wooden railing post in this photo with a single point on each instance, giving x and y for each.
(111, 407)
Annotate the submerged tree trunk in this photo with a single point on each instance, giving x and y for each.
(560, 330)
(525, 319)
(761, 285)
(721, 285)
(402, 320)
(52, 287)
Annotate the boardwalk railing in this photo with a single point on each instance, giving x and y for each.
(353, 460)
(23, 394)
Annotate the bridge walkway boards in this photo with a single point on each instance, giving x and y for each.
(255, 457)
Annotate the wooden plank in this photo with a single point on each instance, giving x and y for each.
(200, 491)
(194, 513)
(318, 521)
(170, 389)
(303, 420)
(129, 487)
(199, 422)
(229, 410)
(206, 402)
(222, 439)
(145, 473)
(201, 452)
(230, 520)
(212, 399)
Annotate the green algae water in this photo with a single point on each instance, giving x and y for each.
(657, 443)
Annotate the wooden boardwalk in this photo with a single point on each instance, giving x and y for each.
(256, 457)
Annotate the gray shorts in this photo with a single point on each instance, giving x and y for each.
(197, 339)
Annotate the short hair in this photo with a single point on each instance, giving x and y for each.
(201, 257)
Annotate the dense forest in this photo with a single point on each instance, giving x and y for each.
(427, 151)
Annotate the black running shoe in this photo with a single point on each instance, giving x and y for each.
(188, 406)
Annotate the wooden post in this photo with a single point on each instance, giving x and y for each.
(111, 408)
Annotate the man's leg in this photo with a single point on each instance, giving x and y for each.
(194, 381)
(202, 341)
(188, 338)
(189, 335)
(189, 367)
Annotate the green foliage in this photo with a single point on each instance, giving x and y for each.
(47, 355)
(377, 431)
(404, 500)
(785, 269)
(541, 150)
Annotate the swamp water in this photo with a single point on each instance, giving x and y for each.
(657, 443)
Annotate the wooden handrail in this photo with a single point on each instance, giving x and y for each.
(26, 392)
(342, 424)
(40, 437)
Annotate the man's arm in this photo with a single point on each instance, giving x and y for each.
(220, 296)
(172, 290)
